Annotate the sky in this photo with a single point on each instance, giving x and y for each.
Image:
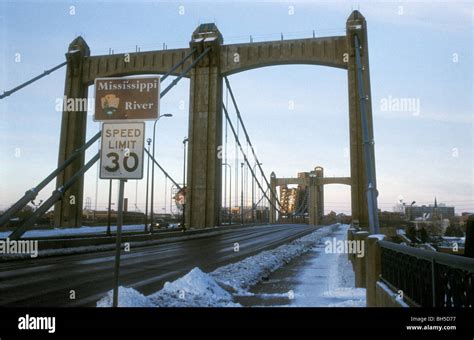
(297, 115)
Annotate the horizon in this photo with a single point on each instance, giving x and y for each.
(421, 88)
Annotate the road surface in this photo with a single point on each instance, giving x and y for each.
(49, 282)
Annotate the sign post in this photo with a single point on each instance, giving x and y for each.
(123, 104)
(118, 242)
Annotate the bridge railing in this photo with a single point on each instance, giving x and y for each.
(400, 275)
(428, 278)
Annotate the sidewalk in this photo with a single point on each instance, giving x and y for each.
(316, 279)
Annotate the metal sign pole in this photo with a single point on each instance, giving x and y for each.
(118, 244)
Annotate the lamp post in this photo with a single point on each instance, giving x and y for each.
(185, 140)
(230, 192)
(147, 185)
(166, 192)
(253, 192)
(241, 193)
(153, 170)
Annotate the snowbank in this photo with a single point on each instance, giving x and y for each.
(195, 289)
(238, 277)
(38, 233)
(128, 297)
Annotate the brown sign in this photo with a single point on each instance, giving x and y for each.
(129, 98)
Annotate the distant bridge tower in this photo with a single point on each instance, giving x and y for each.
(319, 172)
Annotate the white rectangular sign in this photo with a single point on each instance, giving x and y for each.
(121, 153)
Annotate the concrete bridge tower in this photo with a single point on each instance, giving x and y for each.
(203, 193)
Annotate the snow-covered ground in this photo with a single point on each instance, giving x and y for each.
(219, 288)
(73, 231)
(328, 280)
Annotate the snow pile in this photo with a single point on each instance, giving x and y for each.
(195, 289)
(128, 297)
(238, 277)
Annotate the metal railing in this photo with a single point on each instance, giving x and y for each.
(428, 279)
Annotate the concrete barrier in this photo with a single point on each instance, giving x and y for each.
(359, 262)
(350, 236)
(386, 297)
(372, 267)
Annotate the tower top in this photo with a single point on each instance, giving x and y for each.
(207, 32)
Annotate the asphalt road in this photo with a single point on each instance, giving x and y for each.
(48, 282)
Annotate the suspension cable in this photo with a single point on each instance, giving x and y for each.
(175, 67)
(32, 80)
(56, 196)
(303, 206)
(261, 198)
(177, 79)
(248, 140)
(163, 170)
(246, 159)
(32, 193)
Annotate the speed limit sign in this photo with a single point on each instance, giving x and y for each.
(121, 154)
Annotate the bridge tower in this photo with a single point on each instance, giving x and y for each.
(319, 172)
(203, 193)
(68, 211)
(356, 24)
(316, 196)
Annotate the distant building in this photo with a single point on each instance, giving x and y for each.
(288, 197)
(429, 212)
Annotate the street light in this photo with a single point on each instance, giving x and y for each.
(185, 140)
(147, 185)
(253, 192)
(230, 192)
(153, 170)
(242, 193)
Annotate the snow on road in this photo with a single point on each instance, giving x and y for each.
(217, 289)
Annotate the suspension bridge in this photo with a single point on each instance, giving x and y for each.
(207, 62)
